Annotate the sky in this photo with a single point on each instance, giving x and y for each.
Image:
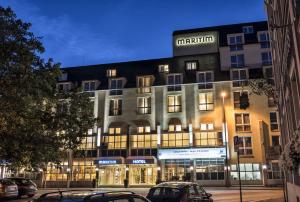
(87, 32)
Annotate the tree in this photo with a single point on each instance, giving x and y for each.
(36, 121)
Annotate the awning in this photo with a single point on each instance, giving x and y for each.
(141, 160)
(141, 122)
(109, 160)
(174, 121)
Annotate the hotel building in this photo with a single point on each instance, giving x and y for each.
(175, 118)
(284, 26)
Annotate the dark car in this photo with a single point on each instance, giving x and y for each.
(178, 192)
(91, 196)
(25, 186)
(8, 189)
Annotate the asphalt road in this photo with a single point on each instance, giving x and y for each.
(250, 194)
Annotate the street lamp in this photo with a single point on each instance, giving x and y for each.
(225, 138)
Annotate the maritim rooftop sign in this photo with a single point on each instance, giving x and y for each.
(195, 40)
(195, 43)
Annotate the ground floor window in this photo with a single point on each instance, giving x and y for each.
(210, 169)
(57, 172)
(248, 171)
(274, 171)
(83, 170)
(142, 174)
(177, 169)
(112, 175)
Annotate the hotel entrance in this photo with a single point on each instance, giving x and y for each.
(142, 170)
(178, 169)
(110, 171)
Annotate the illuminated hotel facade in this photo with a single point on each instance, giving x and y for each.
(175, 118)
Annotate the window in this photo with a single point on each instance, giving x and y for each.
(248, 29)
(264, 40)
(114, 139)
(111, 73)
(237, 60)
(206, 101)
(144, 84)
(271, 101)
(174, 103)
(236, 98)
(175, 137)
(268, 73)
(191, 65)
(209, 169)
(266, 58)
(163, 68)
(116, 86)
(89, 85)
(242, 122)
(207, 137)
(248, 171)
(144, 139)
(63, 77)
(174, 82)
(274, 171)
(235, 43)
(274, 121)
(144, 105)
(64, 87)
(245, 146)
(115, 107)
(205, 80)
(275, 140)
(239, 77)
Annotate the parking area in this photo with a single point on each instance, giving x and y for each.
(250, 194)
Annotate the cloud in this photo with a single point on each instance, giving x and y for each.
(66, 41)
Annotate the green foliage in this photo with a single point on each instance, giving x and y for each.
(32, 112)
(263, 87)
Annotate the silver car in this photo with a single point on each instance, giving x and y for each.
(8, 189)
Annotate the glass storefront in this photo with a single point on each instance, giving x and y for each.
(176, 169)
(112, 174)
(248, 171)
(142, 174)
(210, 169)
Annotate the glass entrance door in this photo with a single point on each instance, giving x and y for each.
(112, 175)
(142, 174)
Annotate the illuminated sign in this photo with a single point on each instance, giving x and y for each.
(195, 40)
(138, 161)
(193, 153)
(107, 162)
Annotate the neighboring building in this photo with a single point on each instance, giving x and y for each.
(165, 119)
(284, 25)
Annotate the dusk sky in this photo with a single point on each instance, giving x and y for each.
(86, 32)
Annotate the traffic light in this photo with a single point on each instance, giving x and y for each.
(244, 100)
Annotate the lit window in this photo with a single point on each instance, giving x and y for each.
(144, 129)
(144, 84)
(206, 101)
(174, 82)
(111, 72)
(163, 68)
(175, 138)
(248, 29)
(206, 126)
(205, 80)
(236, 98)
(242, 122)
(115, 107)
(274, 121)
(191, 65)
(248, 171)
(174, 103)
(178, 128)
(115, 140)
(144, 105)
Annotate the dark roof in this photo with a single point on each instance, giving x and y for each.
(230, 29)
(178, 185)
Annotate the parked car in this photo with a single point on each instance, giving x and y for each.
(178, 192)
(25, 186)
(91, 196)
(8, 189)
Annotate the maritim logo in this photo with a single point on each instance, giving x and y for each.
(195, 40)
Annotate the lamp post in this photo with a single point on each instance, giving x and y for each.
(223, 95)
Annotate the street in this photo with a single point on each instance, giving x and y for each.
(219, 194)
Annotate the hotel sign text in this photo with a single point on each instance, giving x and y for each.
(192, 153)
(195, 40)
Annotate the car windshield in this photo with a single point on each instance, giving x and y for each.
(6, 182)
(23, 181)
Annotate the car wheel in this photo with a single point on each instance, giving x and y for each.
(30, 195)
